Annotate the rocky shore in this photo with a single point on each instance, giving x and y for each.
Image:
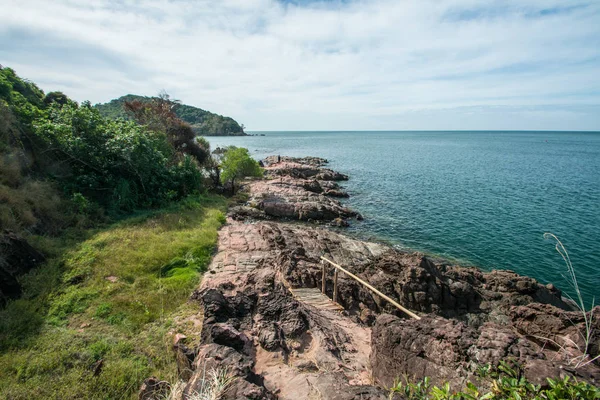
(281, 347)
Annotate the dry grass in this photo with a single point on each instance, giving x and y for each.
(213, 385)
(28, 205)
(588, 316)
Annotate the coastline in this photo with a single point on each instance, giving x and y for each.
(279, 346)
(435, 192)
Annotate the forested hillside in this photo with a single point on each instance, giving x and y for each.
(203, 122)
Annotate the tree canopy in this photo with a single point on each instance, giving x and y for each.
(158, 115)
(52, 142)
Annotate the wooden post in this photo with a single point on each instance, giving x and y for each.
(335, 289)
(323, 277)
(356, 278)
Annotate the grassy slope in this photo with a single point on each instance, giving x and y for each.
(71, 316)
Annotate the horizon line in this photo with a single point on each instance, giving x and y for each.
(430, 130)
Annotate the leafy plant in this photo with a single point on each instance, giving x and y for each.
(411, 390)
(119, 164)
(512, 383)
(508, 383)
(568, 389)
(236, 164)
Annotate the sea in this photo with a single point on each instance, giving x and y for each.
(480, 199)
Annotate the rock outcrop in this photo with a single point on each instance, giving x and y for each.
(275, 345)
(283, 346)
(450, 350)
(296, 189)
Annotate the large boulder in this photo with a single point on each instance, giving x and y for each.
(559, 330)
(450, 350)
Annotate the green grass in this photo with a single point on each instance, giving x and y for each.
(71, 316)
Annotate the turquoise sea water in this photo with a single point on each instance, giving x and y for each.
(482, 198)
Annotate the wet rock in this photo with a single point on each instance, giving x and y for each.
(312, 186)
(557, 329)
(227, 335)
(268, 337)
(317, 207)
(250, 314)
(295, 189)
(433, 347)
(313, 161)
(277, 345)
(339, 222)
(302, 168)
(336, 193)
(330, 175)
(537, 371)
(449, 350)
(240, 213)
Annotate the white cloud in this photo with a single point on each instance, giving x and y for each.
(378, 64)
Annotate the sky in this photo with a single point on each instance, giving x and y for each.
(323, 65)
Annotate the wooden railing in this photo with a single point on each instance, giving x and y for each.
(362, 282)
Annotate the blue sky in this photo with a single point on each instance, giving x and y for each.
(323, 65)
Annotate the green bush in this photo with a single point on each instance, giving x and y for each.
(100, 164)
(237, 164)
(119, 164)
(507, 383)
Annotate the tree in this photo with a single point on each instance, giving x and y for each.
(237, 164)
(56, 97)
(118, 164)
(158, 115)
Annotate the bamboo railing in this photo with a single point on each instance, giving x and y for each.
(362, 282)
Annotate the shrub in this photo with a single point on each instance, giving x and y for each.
(119, 164)
(237, 164)
(508, 382)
